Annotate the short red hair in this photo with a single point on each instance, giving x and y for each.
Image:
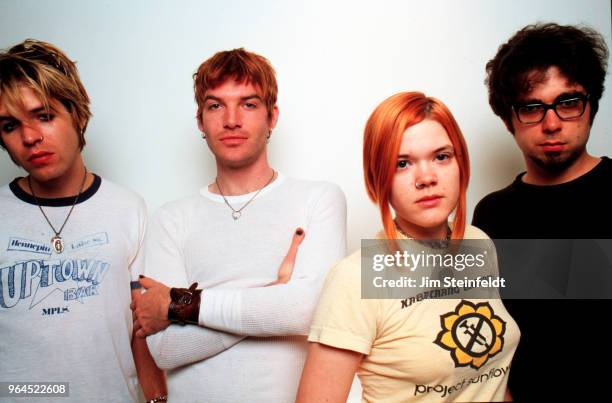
(382, 139)
(239, 65)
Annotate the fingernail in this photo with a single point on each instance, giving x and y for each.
(299, 231)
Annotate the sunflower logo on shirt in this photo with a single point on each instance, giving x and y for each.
(472, 333)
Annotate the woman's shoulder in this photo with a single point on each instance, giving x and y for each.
(348, 266)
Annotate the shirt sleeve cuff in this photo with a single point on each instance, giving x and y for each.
(339, 339)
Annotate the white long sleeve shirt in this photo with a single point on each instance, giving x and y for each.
(250, 345)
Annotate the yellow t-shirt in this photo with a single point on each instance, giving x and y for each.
(428, 351)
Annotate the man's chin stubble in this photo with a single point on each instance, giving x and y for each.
(555, 162)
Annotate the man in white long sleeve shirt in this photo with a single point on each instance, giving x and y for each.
(246, 339)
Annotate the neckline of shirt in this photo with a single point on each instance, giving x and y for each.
(280, 178)
(58, 201)
(584, 177)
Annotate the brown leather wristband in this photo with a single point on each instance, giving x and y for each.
(184, 305)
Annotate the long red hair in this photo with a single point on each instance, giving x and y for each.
(382, 138)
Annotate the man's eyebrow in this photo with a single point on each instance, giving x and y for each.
(254, 96)
(530, 101)
(33, 111)
(560, 96)
(244, 98)
(207, 97)
(569, 94)
(37, 110)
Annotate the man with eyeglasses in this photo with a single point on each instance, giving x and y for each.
(545, 83)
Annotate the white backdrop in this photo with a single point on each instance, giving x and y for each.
(335, 62)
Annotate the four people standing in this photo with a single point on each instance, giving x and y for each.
(233, 273)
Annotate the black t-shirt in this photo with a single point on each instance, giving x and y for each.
(578, 209)
(564, 350)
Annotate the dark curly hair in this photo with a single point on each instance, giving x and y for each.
(580, 53)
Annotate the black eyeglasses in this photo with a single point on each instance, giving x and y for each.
(566, 108)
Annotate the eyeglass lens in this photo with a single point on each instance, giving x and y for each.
(569, 108)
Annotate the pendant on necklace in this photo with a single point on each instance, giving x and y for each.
(236, 215)
(58, 243)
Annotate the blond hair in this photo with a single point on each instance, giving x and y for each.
(50, 74)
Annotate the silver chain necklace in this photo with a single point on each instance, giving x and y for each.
(435, 243)
(56, 241)
(237, 213)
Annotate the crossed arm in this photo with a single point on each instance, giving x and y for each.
(151, 317)
(151, 309)
(152, 379)
(284, 307)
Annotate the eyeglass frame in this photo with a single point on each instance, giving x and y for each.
(578, 95)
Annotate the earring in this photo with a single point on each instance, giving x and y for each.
(269, 134)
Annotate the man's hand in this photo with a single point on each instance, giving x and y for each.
(150, 311)
(286, 268)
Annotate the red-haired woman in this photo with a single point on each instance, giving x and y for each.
(415, 163)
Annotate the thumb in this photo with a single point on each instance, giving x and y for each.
(147, 282)
(296, 241)
(286, 268)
